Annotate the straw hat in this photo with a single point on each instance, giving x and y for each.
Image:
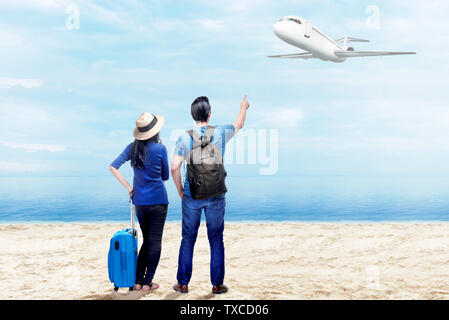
(147, 126)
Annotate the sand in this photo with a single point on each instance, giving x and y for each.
(263, 261)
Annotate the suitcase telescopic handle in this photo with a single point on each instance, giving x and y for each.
(133, 224)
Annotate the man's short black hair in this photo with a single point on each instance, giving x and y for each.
(200, 109)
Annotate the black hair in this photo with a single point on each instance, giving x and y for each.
(139, 151)
(200, 109)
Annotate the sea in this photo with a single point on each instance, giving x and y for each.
(260, 198)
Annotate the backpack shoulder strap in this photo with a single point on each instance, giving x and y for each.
(209, 133)
(196, 139)
(205, 139)
(193, 134)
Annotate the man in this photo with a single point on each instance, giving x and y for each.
(204, 189)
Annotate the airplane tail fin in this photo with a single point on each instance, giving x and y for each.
(346, 41)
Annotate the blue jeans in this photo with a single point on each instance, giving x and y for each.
(214, 210)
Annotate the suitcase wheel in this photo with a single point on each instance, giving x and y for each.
(115, 289)
(131, 288)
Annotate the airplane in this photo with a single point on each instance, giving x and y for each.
(300, 33)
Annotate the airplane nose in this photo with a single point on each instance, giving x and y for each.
(277, 28)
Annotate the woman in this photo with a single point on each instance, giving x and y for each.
(149, 162)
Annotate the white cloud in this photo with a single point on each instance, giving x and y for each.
(116, 15)
(359, 145)
(283, 117)
(6, 83)
(10, 39)
(41, 5)
(167, 24)
(101, 63)
(210, 23)
(31, 147)
(239, 5)
(118, 133)
(7, 166)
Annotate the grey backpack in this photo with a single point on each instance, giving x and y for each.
(205, 169)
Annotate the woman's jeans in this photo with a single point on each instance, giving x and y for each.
(151, 219)
(214, 210)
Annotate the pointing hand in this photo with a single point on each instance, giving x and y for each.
(244, 103)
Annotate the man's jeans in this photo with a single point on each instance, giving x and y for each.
(214, 210)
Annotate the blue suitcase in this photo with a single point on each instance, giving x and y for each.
(122, 256)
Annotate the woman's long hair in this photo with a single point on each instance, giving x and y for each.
(139, 151)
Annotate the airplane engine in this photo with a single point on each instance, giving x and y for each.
(350, 49)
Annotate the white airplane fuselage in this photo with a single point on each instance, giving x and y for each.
(303, 35)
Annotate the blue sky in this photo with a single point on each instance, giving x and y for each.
(69, 97)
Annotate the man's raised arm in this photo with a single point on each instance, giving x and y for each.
(240, 121)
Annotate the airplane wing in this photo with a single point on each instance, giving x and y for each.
(302, 55)
(352, 54)
(350, 39)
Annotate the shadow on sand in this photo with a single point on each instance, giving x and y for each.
(135, 295)
(129, 295)
(177, 295)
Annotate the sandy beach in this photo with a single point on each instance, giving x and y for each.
(263, 261)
